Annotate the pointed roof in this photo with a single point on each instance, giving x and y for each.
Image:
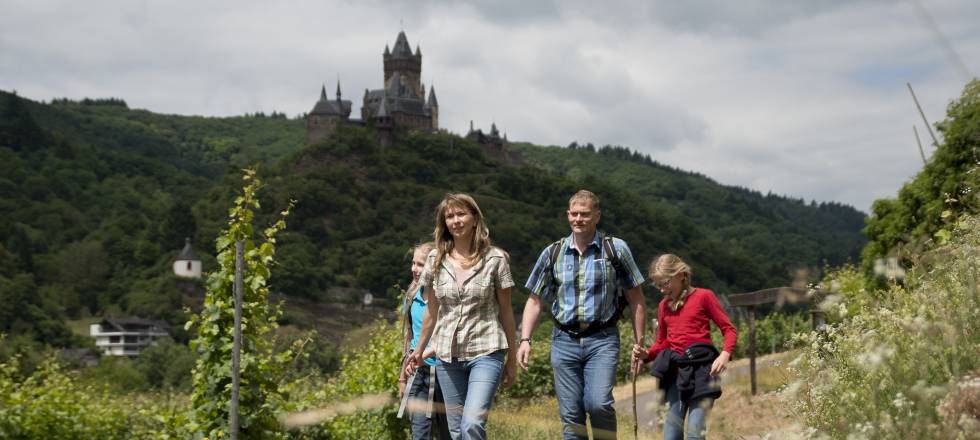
(338, 89)
(396, 84)
(418, 50)
(323, 93)
(188, 253)
(402, 48)
(387, 52)
(432, 102)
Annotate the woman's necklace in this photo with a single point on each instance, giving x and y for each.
(463, 262)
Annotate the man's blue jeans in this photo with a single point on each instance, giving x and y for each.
(585, 372)
(468, 388)
(696, 412)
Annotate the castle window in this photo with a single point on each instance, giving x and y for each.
(188, 265)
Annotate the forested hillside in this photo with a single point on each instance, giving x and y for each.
(776, 231)
(97, 198)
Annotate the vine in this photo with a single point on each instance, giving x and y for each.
(261, 370)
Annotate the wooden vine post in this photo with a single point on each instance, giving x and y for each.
(779, 296)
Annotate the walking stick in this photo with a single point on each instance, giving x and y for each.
(635, 420)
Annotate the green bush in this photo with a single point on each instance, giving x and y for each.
(166, 365)
(370, 369)
(539, 379)
(774, 333)
(51, 403)
(884, 369)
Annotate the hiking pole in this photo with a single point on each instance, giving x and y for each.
(635, 420)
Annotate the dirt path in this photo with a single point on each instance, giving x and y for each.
(737, 414)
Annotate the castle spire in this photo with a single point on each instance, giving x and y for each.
(432, 97)
(323, 93)
(418, 50)
(387, 52)
(338, 89)
(402, 48)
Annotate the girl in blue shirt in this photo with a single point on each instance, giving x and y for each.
(428, 419)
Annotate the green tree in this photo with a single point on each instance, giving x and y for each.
(944, 190)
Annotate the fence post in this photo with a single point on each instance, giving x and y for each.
(752, 346)
(236, 356)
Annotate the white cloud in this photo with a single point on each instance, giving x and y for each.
(805, 99)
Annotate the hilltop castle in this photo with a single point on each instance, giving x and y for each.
(401, 103)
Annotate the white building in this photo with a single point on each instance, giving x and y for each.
(187, 264)
(127, 336)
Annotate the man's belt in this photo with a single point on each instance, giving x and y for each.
(579, 330)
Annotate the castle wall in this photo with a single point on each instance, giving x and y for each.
(320, 127)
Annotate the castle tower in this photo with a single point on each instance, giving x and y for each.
(408, 65)
(187, 264)
(433, 106)
(326, 116)
(383, 121)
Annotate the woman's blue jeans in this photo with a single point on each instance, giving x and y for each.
(468, 388)
(696, 412)
(585, 372)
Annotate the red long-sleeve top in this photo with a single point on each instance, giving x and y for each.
(679, 329)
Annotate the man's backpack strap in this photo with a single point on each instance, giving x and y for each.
(621, 275)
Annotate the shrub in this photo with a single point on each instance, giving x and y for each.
(884, 369)
(369, 369)
(51, 403)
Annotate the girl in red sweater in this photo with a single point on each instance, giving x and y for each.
(683, 357)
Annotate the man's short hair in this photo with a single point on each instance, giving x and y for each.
(585, 196)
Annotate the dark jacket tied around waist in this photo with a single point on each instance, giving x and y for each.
(691, 370)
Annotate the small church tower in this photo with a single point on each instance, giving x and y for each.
(187, 265)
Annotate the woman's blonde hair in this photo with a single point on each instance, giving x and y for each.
(669, 265)
(444, 239)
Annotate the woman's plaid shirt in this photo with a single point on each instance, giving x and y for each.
(471, 316)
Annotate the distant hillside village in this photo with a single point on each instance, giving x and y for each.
(129, 336)
(400, 104)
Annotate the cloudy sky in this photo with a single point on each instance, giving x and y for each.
(805, 98)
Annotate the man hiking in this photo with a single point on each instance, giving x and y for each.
(585, 279)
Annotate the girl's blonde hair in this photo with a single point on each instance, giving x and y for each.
(425, 248)
(444, 239)
(669, 265)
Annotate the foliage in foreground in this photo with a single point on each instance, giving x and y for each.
(897, 365)
(261, 371)
(52, 403)
(370, 370)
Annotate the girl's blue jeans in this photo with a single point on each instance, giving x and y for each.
(696, 413)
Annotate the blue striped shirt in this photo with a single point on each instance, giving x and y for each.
(586, 284)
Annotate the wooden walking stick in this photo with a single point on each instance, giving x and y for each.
(635, 419)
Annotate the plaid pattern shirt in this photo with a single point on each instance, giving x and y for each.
(469, 316)
(583, 288)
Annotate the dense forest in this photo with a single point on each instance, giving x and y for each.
(97, 199)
